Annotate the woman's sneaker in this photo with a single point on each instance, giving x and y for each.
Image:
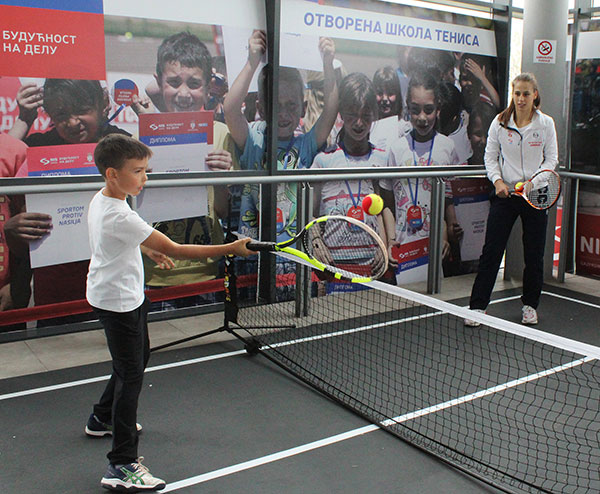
(96, 428)
(131, 477)
(529, 315)
(470, 322)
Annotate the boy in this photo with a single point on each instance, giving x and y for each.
(295, 151)
(115, 289)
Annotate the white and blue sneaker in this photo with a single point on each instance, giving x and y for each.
(97, 428)
(131, 477)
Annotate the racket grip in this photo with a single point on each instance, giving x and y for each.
(261, 246)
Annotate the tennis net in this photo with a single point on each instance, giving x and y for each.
(510, 405)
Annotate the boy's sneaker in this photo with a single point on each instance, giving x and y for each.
(96, 428)
(132, 477)
(529, 315)
(471, 323)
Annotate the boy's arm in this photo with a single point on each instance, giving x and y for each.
(326, 121)
(161, 243)
(232, 106)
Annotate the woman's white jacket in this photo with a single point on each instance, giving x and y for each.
(514, 155)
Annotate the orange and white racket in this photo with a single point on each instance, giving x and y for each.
(541, 191)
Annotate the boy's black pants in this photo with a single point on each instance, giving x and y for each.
(129, 346)
(502, 216)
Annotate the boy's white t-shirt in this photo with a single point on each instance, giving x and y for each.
(115, 280)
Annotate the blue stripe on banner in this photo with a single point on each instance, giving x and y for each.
(89, 6)
(471, 199)
(168, 140)
(92, 170)
(419, 261)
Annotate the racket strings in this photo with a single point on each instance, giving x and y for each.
(545, 192)
(346, 248)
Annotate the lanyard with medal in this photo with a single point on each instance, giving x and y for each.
(355, 211)
(414, 214)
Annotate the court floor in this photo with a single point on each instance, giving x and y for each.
(219, 421)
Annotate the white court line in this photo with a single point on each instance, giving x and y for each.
(215, 474)
(82, 382)
(570, 299)
(280, 455)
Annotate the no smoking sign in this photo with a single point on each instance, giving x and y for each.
(544, 51)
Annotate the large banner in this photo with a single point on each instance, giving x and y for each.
(73, 71)
(52, 39)
(392, 62)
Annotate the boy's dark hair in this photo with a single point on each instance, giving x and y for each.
(287, 76)
(188, 50)
(357, 91)
(63, 96)
(113, 150)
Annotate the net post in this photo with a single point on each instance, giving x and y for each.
(434, 271)
(303, 208)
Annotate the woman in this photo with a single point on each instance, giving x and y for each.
(521, 141)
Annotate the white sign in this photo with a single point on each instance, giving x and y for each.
(301, 17)
(68, 240)
(235, 43)
(544, 51)
(171, 203)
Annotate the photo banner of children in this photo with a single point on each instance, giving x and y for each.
(169, 62)
(54, 58)
(416, 88)
(180, 71)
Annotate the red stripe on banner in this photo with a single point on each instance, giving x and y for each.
(73, 307)
(52, 43)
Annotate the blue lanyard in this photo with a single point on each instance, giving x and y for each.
(414, 197)
(288, 149)
(354, 202)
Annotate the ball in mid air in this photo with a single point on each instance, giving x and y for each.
(372, 204)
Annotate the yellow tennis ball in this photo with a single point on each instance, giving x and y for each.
(519, 186)
(372, 204)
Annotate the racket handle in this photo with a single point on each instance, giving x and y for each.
(261, 246)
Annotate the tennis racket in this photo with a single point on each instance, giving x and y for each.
(343, 247)
(541, 191)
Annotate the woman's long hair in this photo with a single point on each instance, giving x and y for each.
(504, 117)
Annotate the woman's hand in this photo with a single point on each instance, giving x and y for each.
(501, 189)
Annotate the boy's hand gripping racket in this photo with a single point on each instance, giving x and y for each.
(340, 246)
(541, 191)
